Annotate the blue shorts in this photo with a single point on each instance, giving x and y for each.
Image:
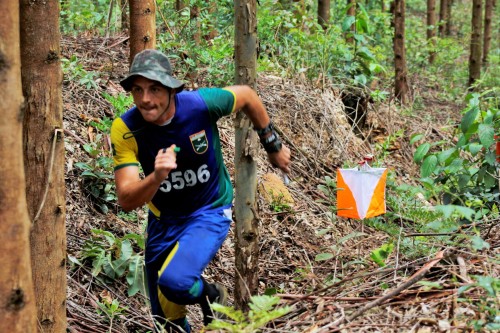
(177, 252)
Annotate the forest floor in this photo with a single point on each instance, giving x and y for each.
(346, 293)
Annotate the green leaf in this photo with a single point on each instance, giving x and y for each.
(135, 276)
(415, 137)
(347, 23)
(446, 154)
(380, 255)
(323, 256)
(488, 283)
(468, 119)
(486, 134)
(475, 148)
(431, 285)
(479, 244)
(421, 152)
(351, 235)
(428, 166)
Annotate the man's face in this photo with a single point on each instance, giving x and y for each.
(152, 100)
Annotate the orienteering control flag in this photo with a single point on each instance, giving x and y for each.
(361, 192)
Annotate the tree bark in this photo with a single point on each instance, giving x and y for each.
(448, 26)
(18, 309)
(401, 89)
(475, 43)
(324, 13)
(247, 232)
(488, 16)
(124, 21)
(142, 26)
(44, 158)
(351, 11)
(431, 28)
(443, 11)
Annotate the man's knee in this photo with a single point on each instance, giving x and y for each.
(180, 289)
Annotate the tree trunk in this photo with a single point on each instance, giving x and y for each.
(488, 15)
(323, 13)
(443, 11)
(142, 26)
(44, 158)
(475, 43)
(351, 11)
(448, 26)
(17, 299)
(247, 232)
(212, 8)
(401, 84)
(431, 29)
(124, 21)
(179, 5)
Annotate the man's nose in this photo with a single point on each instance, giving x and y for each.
(146, 96)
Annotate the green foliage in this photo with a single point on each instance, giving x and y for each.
(115, 257)
(80, 16)
(120, 102)
(486, 303)
(380, 255)
(279, 204)
(74, 71)
(97, 175)
(262, 311)
(111, 308)
(466, 171)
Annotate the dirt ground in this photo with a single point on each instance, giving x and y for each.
(347, 293)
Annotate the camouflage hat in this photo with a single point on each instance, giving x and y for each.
(152, 65)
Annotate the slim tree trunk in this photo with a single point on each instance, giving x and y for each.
(17, 299)
(401, 84)
(44, 158)
(324, 13)
(212, 8)
(124, 21)
(431, 28)
(443, 11)
(448, 26)
(488, 16)
(351, 11)
(475, 43)
(142, 26)
(247, 232)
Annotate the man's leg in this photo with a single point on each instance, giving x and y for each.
(180, 278)
(171, 316)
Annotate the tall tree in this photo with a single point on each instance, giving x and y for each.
(488, 16)
(247, 232)
(142, 26)
(44, 158)
(323, 13)
(401, 89)
(351, 11)
(431, 28)
(443, 11)
(17, 299)
(449, 18)
(475, 42)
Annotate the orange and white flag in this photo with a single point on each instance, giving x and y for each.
(361, 192)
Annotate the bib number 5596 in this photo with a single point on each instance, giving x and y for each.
(179, 179)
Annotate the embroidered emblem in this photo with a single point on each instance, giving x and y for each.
(199, 142)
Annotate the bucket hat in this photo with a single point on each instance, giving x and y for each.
(153, 65)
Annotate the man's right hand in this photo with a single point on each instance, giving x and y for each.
(165, 161)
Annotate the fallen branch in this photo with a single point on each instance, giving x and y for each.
(412, 280)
